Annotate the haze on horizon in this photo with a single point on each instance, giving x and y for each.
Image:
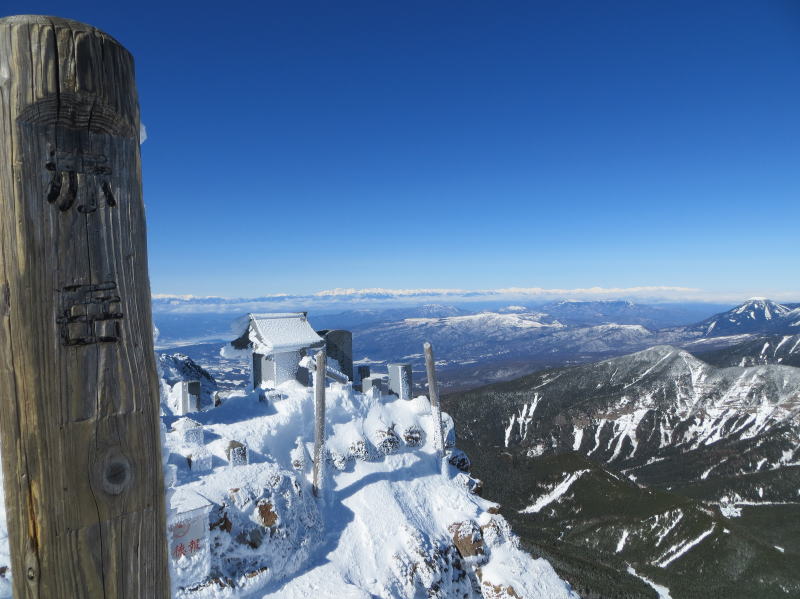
(504, 300)
(299, 147)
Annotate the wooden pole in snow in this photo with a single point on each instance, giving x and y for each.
(433, 392)
(79, 408)
(319, 419)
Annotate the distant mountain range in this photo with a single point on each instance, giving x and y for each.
(474, 348)
(490, 346)
(652, 316)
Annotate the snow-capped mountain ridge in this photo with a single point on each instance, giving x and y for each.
(476, 347)
(773, 349)
(646, 457)
(486, 322)
(669, 399)
(757, 315)
(637, 410)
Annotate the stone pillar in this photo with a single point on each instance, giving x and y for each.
(400, 380)
(339, 347)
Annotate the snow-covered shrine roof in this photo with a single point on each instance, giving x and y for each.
(281, 332)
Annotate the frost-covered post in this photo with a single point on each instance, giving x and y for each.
(79, 392)
(320, 368)
(438, 440)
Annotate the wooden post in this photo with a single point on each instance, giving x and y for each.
(79, 404)
(438, 440)
(319, 419)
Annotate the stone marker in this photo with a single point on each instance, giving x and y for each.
(400, 379)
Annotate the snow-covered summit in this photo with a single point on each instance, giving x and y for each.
(493, 324)
(513, 309)
(390, 521)
(651, 405)
(756, 315)
(757, 307)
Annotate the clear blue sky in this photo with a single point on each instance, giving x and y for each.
(296, 146)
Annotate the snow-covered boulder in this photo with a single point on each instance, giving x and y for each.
(263, 525)
(176, 368)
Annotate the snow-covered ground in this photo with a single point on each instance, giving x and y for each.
(390, 520)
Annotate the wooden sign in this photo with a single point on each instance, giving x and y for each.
(78, 387)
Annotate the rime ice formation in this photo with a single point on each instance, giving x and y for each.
(389, 523)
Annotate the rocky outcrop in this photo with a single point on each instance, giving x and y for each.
(467, 538)
(174, 368)
(265, 527)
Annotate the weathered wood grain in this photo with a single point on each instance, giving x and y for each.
(78, 387)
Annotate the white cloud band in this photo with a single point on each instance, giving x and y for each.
(347, 298)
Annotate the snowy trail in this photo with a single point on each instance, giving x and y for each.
(367, 519)
(362, 525)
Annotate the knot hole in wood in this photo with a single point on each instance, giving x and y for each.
(117, 474)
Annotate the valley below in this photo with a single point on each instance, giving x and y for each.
(654, 465)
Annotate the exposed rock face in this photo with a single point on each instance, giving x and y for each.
(492, 591)
(266, 515)
(429, 568)
(221, 522)
(473, 485)
(179, 367)
(467, 538)
(460, 460)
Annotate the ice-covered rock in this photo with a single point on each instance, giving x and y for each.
(175, 368)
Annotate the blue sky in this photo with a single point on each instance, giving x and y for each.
(301, 146)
